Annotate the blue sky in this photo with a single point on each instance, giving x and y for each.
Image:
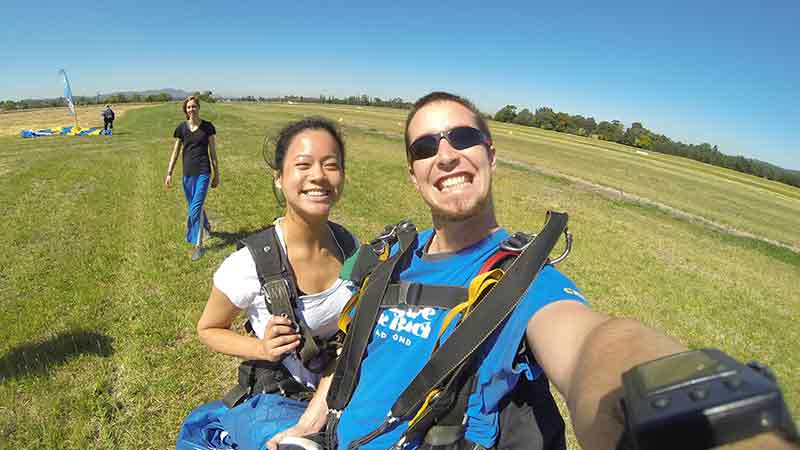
(724, 72)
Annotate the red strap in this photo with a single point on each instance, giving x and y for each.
(496, 258)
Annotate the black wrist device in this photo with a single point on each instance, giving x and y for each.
(700, 399)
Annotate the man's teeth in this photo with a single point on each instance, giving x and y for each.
(454, 181)
(316, 193)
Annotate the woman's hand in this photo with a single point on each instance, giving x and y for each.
(168, 180)
(280, 338)
(215, 180)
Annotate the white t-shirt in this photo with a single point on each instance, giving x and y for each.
(238, 280)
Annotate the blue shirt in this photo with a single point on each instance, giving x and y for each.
(403, 339)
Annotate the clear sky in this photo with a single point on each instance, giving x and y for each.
(724, 72)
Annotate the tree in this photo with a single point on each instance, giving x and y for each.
(545, 118)
(610, 131)
(525, 117)
(632, 134)
(506, 114)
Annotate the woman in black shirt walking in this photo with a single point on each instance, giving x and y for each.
(196, 138)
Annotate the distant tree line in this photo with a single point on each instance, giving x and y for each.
(8, 105)
(362, 100)
(638, 136)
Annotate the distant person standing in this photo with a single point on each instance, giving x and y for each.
(196, 138)
(108, 118)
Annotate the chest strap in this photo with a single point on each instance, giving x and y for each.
(423, 295)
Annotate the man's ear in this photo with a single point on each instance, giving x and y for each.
(492, 157)
(276, 178)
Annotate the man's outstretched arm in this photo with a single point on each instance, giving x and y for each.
(584, 354)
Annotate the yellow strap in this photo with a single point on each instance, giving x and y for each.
(478, 287)
(422, 408)
(344, 317)
(385, 255)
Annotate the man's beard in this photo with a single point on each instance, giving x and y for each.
(464, 211)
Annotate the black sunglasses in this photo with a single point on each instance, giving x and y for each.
(460, 138)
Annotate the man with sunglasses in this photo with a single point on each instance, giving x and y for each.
(582, 352)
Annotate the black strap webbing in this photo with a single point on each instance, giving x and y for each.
(345, 240)
(279, 284)
(422, 295)
(366, 261)
(345, 378)
(484, 320)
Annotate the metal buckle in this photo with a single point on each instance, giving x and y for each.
(567, 248)
(509, 244)
(389, 236)
(275, 288)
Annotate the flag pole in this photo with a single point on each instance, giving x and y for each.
(68, 96)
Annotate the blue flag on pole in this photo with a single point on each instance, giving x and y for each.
(67, 92)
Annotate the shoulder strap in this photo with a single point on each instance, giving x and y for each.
(485, 319)
(369, 256)
(345, 378)
(268, 255)
(344, 238)
(280, 288)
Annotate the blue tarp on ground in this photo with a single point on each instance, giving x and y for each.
(68, 131)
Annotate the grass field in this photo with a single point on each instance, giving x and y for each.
(100, 299)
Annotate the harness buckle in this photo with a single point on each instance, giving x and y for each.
(519, 241)
(389, 235)
(567, 248)
(275, 289)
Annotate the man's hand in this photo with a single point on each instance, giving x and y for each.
(214, 180)
(280, 338)
(168, 181)
(295, 431)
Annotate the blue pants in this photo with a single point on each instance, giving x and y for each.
(195, 188)
(246, 427)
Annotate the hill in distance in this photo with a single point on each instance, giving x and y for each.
(173, 93)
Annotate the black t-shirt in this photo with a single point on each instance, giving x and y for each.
(195, 147)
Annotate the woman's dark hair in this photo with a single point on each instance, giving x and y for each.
(274, 157)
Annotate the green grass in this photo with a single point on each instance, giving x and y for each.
(97, 342)
(758, 206)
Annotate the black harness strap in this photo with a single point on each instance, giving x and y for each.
(445, 375)
(484, 320)
(345, 377)
(279, 286)
(422, 295)
(444, 429)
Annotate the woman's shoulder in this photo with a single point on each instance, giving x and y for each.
(179, 128)
(236, 268)
(208, 127)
